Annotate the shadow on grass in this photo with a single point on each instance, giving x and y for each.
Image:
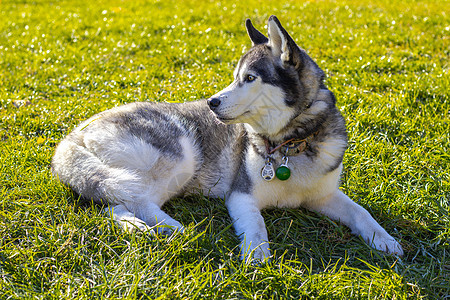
(303, 240)
(295, 233)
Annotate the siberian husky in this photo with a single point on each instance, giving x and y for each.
(272, 138)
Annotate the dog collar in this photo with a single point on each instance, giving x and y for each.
(289, 148)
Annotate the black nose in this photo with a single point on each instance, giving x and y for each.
(213, 102)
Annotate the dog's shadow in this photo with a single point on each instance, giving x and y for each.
(294, 233)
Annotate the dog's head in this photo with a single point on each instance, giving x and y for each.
(274, 82)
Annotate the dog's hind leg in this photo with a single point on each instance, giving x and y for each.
(156, 220)
(155, 216)
(124, 182)
(341, 208)
(138, 202)
(126, 218)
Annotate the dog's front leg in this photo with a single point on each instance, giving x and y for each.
(249, 225)
(341, 208)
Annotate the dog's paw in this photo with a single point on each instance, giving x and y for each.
(256, 255)
(169, 227)
(133, 225)
(386, 243)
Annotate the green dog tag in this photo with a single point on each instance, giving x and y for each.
(283, 173)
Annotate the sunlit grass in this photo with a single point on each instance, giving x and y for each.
(387, 63)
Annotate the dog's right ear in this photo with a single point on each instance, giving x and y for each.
(255, 35)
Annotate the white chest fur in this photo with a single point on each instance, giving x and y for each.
(309, 181)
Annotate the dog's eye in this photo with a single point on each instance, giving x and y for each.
(250, 78)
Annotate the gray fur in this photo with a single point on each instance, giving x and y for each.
(153, 124)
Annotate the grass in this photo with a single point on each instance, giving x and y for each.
(387, 63)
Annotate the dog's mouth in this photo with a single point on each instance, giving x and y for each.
(229, 120)
(225, 120)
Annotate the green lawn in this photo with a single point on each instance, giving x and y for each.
(387, 62)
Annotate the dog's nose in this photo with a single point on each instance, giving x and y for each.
(213, 102)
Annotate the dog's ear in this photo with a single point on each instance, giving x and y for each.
(255, 35)
(282, 44)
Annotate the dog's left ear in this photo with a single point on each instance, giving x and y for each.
(255, 35)
(282, 44)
